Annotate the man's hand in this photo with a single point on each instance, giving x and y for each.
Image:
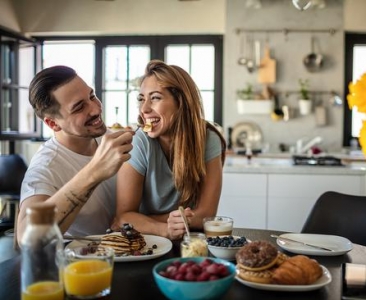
(112, 152)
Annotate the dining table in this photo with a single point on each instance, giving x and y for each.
(134, 279)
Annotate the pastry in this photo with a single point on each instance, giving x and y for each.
(297, 270)
(257, 256)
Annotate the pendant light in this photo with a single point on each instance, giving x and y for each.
(302, 4)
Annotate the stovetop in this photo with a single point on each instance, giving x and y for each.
(316, 161)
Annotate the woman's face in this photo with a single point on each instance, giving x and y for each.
(157, 106)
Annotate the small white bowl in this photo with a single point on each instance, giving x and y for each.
(227, 253)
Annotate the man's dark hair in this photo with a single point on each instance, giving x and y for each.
(42, 87)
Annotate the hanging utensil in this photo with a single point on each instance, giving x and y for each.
(277, 113)
(267, 69)
(250, 61)
(313, 61)
(242, 60)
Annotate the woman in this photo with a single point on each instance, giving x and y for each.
(178, 162)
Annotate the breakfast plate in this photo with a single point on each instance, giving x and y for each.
(339, 245)
(322, 281)
(164, 245)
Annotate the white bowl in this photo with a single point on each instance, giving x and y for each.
(227, 253)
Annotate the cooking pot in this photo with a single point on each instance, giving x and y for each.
(313, 61)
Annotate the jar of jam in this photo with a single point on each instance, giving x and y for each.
(194, 245)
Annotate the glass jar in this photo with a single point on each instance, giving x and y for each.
(41, 255)
(194, 245)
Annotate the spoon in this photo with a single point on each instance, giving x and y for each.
(185, 221)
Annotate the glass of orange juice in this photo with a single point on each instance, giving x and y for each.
(88, 271)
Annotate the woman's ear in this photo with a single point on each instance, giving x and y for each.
(51, 123)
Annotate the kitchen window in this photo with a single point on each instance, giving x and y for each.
(355, 62)
(18, 63)
(118, 62)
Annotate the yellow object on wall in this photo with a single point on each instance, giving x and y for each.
(357, 98)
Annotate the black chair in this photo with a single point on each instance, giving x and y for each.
(338, 214)
(12, 171)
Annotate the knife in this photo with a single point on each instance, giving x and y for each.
(85, 238)
(302, 243)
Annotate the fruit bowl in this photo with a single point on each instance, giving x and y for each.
(225, 247)
(205, 286)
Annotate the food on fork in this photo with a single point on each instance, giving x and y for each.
(117, 127)
(297, 270)
(257, 256)
(148, 127)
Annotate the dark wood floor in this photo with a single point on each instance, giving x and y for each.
(7, 250)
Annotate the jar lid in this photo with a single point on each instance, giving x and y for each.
(41, 213)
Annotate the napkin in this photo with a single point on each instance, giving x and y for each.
(354, 281)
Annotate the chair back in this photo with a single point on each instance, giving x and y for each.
(338, 214)
(12, 171)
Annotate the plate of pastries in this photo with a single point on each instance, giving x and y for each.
(260, 265)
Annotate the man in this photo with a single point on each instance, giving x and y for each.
(74, 169)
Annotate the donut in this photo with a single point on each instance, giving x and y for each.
(257, 256)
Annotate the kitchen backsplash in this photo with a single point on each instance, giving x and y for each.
(290, 35)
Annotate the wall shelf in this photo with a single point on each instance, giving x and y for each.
(286, 31)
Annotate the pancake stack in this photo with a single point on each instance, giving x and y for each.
(125, 242)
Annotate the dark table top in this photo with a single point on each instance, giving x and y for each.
(134, 280)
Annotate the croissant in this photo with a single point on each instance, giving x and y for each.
(297, 270)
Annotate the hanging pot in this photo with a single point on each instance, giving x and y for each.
(313, 61)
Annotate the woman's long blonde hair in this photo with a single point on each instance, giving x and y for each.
(189, 130)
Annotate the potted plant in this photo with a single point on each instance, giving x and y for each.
(304, 101)
(247, 93)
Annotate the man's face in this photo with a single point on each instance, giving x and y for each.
(80, 111)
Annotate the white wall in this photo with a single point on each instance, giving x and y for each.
(354, 15)
(8, 16)
(219, 17)
(121, 16)
(289, 52)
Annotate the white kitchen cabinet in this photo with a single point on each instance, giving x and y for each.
(244, 198)
(291, 196)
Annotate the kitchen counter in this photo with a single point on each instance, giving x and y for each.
(274, 193)
(283, 164)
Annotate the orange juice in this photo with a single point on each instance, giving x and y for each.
(87, 277)
(44, 290)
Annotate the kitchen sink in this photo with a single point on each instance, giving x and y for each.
(326, 161)
(294, 160)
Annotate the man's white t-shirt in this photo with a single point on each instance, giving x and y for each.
(51, 167)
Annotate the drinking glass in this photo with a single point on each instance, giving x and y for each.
(219, 225)
(194, 245)
(88, 271)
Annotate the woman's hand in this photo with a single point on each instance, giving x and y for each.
(176, 228)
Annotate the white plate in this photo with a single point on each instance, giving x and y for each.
(338, 244)
(322, 281)
(163, 246)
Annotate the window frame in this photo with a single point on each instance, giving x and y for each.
(157, 44)
(17, 39)
(351, 39)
